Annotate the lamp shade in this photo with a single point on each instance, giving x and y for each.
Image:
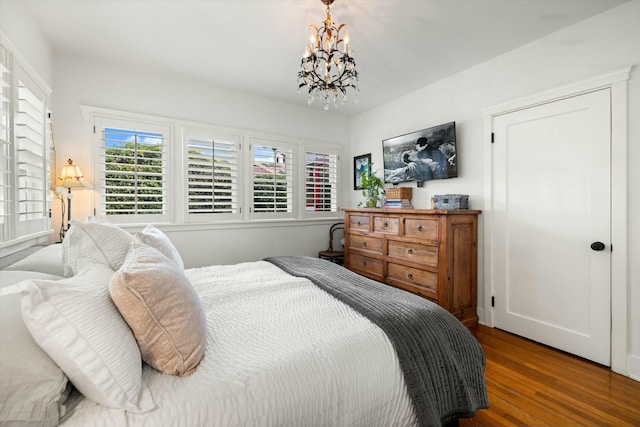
(71, 176)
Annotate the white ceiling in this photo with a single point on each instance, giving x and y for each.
(256, 45)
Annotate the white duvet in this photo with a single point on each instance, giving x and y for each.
(280, 352)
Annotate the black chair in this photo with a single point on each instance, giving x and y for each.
(332, 254)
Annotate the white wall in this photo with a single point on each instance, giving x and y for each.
(603, 43)
(25, 34)
(83, 82)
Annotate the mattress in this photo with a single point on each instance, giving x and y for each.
(280, 352)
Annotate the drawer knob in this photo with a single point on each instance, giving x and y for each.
(386, 224)
(410, 251)
(358, 223)
(364, 244)
(364, 263)
(420, 228)
(410, 276)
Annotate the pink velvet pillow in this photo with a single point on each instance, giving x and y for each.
(162, 309)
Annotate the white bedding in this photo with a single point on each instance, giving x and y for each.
(280, 352)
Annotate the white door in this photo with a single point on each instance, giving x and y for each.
(551, 195)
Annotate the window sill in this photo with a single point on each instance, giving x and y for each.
(230, 225)
(12, 246)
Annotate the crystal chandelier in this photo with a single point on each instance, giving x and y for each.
(327, 67)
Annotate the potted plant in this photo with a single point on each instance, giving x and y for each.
(372, 188)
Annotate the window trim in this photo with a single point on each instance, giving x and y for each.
(213, 132)
(250, 188)
(18, 234)
(143, 125)
(320, 149)
(178, 215)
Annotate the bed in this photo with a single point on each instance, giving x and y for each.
(284, 341)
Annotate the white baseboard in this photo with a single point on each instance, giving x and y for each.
(633, 361)
(480, 312)
(633, 365)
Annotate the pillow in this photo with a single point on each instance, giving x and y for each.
(33, 386)
(157, 239)
(162, 309)
(45, 260)
(100, 242)
(76, 323)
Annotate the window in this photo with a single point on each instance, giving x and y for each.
(5, 145)
(24, 150)
(133, 171)
(213, 169)
(208, 175)
(272, 179)
(32, 153)
(321, 180)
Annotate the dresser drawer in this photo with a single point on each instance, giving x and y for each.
(414, 252)
(424, 279)
(359, 222)
(365, 243)
(385, 224)
(421, 228)
(363, 263)
(430, 253)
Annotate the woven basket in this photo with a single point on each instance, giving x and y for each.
(398, 193)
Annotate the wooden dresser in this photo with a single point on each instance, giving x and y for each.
(432, 253)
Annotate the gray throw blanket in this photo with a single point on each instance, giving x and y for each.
(442, 362)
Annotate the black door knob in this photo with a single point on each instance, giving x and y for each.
(597, 246)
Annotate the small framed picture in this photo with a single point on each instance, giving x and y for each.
(360, 163)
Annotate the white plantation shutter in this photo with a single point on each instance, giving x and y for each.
(6, 159)
(212, 175)
(51, 164)
(24, 150)
(32, 152)
(321, 180)
(133, 171)
(273, 166)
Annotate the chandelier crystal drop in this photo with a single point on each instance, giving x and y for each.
(328, 69)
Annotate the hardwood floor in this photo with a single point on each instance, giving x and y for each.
(530, 384)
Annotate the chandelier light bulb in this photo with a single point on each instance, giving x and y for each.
(327, 69)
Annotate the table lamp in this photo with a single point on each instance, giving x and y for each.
(70, 177)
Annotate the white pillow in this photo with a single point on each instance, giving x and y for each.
(100, 242)
(76, 323)
(157, 239)
(33, 386)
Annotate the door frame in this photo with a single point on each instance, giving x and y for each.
(617, 81)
